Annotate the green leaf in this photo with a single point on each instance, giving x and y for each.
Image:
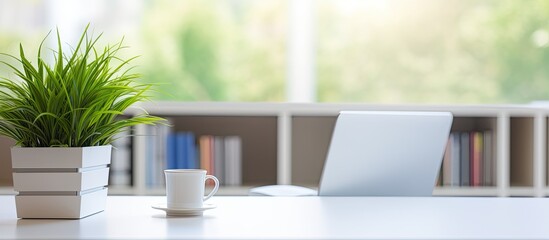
(76, 102)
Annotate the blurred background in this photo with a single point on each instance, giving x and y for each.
(368, 51)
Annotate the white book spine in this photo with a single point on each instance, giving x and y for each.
(233, 153)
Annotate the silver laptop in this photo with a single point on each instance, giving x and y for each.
(385, 153)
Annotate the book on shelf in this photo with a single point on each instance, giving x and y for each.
(180, 151)
(446, 164)
(167, 149)
(156, 142)
(221, 156)
(206, 153)
(455, 162)
(233, 161)
(451, 162)
(464, 158)
(185, 151)
(120, 170)
(489, 163)
(469, 160)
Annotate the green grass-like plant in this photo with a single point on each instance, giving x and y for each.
(77, 102)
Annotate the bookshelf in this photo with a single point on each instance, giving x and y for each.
(286, 143)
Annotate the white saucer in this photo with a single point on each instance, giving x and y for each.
(183, 211)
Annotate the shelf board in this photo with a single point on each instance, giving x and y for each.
(522, 191)
(121, 190)
(466, 191)
(223, 191)
(117, 190)
(243, 191)
(7, 190)
(485, 191)
(313, 109)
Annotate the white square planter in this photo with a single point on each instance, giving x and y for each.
(60, 206)
(60, 182)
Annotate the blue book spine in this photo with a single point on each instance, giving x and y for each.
(170, 152)
(191, 151)
(181, 155)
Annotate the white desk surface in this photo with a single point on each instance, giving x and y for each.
(131, 217)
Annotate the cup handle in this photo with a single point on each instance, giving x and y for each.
(214, 190)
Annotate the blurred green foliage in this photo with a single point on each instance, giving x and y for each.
(210, 50)
(430, 51)
(376, 51)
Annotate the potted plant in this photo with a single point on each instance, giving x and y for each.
(63, 117)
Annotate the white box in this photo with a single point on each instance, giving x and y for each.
(60, 182)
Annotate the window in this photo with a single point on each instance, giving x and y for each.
(429, 51)
(374, 51)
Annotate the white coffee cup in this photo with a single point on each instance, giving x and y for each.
(185, 188)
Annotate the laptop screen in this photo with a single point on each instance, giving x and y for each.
(385, 153)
